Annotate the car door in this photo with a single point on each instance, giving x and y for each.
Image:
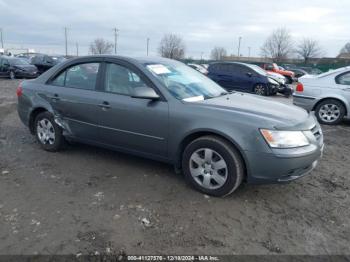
(139, 125)
(4, 67)
(343, 81)
(73, 96)
(239, 78)
(1, 67)
(224, 76)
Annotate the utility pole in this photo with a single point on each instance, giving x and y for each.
(77, 46)
(239, 45)
(2, 40)
(202, 56)
(115, 30)
(65, 39)
(249, 51)
(147, 45)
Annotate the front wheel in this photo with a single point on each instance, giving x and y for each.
(48, 133)
(213, 166)
(12, 75)
(330, 112)
(260, 90)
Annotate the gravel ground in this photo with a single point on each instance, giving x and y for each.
(87, 200)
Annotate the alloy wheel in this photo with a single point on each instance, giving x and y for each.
(12, 75)
(208, 168)
(259, 90)
(329, 113)
(45, 131)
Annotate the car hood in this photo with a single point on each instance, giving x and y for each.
(274, 114)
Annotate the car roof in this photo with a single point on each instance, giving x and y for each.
(231, 62)
(335, 71)
(139, 60)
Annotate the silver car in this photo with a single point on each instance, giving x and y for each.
(165, 110)
(327, 94)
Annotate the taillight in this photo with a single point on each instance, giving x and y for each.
(300, 87)
(19, 90)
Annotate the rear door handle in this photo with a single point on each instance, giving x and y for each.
(105, 105)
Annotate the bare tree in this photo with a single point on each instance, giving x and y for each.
(308, 48)
(278, 46)
(218, 53)
(172, 46)
(345, 49)
(100, 46)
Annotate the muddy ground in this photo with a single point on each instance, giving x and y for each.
(87, 200)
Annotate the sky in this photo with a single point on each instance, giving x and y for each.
(203, 24)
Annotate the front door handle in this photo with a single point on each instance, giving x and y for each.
(105, 105)
(54, 98)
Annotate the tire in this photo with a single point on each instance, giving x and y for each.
(330, 112)
(260, 90)
(48, 133)
(12, 75)
(204, 178)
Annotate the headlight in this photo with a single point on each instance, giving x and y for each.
(284, 139)
(272, 81)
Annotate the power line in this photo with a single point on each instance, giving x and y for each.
(115, 39)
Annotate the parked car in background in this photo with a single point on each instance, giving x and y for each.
(273, 67)
(199, 68)
(205, 66)
(283, 88)
(44, 62)
(298, 72)
(327, 94)
(161, 109)
(312, 70)
(13, 67)
(242, 77)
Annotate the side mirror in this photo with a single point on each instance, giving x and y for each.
(145, 92)
(249, 74)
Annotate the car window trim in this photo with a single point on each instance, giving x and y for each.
(64, 69)
(339, 76)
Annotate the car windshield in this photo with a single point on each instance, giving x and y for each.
(258, 69)
(18, 61)
(185, 83)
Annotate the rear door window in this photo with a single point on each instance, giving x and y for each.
(344, 79)
(81, 76)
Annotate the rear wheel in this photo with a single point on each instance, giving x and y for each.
(330, 112)
(213, 166)
(260, 90)
(48, 133)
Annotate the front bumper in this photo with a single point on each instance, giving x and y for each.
(306, 102)
(284, 165)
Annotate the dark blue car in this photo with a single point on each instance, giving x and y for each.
(242, 77)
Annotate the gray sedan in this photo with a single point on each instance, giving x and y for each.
(165, 110)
